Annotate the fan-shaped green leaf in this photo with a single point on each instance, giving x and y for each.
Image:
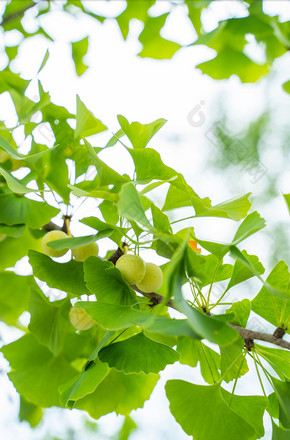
(137, 354)
(68, 277)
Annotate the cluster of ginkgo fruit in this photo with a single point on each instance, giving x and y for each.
(147, 277)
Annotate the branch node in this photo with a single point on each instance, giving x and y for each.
(249, 343)
(279, 333)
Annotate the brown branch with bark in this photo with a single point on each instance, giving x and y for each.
(248, 335)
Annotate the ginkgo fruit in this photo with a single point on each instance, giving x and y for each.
(81, 253)
(152, 280)
(132, 267)
(80, 319)
(51, 236)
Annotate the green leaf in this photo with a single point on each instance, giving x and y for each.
(83, 384)
(14, 184)
(282, 391)
(12, 231)
(130, 205)
(106, 175)
(36, 373)
(242, 273)
(128, 427)
(278, 359)
(14, 296)
(286, 86)
(115, 138)
(49, 320)
(133, 10)
(280, 433)
(74, 242)
(140, 134)
(203, 268)
(240, 311)
(11, 81)
(117, 317)
(44, 61)
(287, 196)
(249, 226)
(234, 209)
(233, 364)
(79, 50)
(107, 283)
(179, 194)
(100, 226)
(14, 248)
(250, 408)
(16, 210)
(68, 277)
(269, 306)
(160, 220)
(137, 354)
(149, 165)
(217, 249)
(230, 62)
(154, 46)
(29, 412)
(203, 413)
(57, 177)
(193, 351)
(209, 327)
(109, 212)
(118, 392)
(30, 158)
(87, 124)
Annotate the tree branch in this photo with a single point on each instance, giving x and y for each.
(251, 334)
(248, 335)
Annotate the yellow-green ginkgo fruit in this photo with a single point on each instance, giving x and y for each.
(80, 319)
(51, 236)
(132, 267)
(152, 280)
(81, 253)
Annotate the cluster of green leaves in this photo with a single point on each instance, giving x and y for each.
(229, 39)
(115, 365)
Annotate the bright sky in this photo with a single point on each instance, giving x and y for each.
(143, 90)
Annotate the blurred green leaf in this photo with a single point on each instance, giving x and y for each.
(154, 46)
(49, 320)
(13, 305)
(140, 134)
(29, 412)
(79, 50)
(87, 124)
(118, 392)
(36, 373)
